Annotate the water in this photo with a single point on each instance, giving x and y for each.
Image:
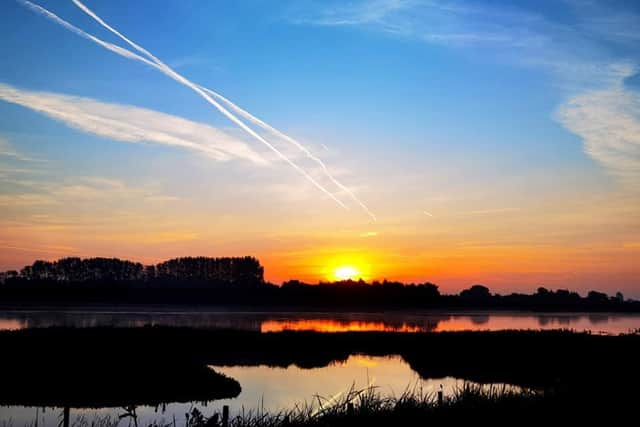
(263, 389)
(273, 389)
(425, 321)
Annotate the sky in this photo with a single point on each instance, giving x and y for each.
(452, 142)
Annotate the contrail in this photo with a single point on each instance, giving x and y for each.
(427, 213)
(233, 106)
(179, 78)
(286, 137)
(55, 18)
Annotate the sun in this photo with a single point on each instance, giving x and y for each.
(346, 272)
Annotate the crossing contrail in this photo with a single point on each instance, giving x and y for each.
(232, 106)
(181, 79)
(291, 140)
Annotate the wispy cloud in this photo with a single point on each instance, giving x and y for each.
(207, 94)
(584, 57)
(517, 32)
(156, 63)
(450, 22)
(608, 121)
(89, 189)
(41, 249)
(7, 150)
(132, 124)
(609, 21)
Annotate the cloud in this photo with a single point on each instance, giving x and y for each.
(580, 53)
(354, 13)
(6, 150)
(156, 63)
(88, 189)
(152, 237)
(151, 60)
(574, 50)
(615, 22)
(608, 121)
(132, 124)
(42, 249)
(25, 199)
(449, 23)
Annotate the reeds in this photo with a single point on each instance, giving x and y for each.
(353, 407)
(368, 406)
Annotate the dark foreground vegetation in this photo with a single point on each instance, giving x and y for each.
(471, 404)
(369, 407)
(240, 281)
(576, 376)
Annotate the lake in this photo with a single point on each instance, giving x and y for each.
(420, 321)
(273, 389)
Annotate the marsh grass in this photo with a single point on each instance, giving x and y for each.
(365, 406)
(368, 406)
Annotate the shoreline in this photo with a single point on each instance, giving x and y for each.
(246, 309)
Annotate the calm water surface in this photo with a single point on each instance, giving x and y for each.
(263, 389)
(274, 389)
(609, 323)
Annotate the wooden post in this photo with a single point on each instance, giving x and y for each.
(225, 416)
(350, 408)
(65, 417)
(440, 396)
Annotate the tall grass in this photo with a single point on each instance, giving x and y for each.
(368, 406)
(354, 407)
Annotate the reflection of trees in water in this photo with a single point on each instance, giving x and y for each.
(479, 319)
(218, 320)
(229, 320)
(565, 319)
(312, 321)
(599, 318)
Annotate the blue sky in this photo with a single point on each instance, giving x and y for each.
(452, 107)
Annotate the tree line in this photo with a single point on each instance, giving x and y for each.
(199, 271)
(240, 281)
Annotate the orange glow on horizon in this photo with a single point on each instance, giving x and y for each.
(330, 325)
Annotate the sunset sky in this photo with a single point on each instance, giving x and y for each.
(493, 142)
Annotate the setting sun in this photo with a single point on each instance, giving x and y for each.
(346, 273)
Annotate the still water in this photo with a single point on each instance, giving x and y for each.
(607, 323)
(263, 389)
(273, 389)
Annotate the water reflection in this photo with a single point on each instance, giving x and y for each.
(425, 321)
(330, 325)
(277, 388)
(263, 389)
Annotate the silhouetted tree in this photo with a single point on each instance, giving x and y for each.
(597, 297)
(476, 292)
